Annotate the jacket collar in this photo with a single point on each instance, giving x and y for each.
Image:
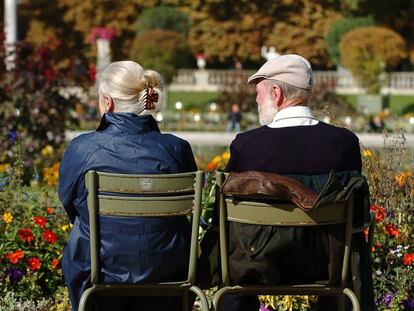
(128, 123)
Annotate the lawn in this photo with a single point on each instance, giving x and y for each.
(191, 100)
(398, 104)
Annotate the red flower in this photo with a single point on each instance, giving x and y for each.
(379, 212)
(14, 257)
(34, 263)
(40, 221)
(55, 263)
(49, 210)
(26, 235)
(49, 74)
(391, 230)
(408, 259)
(50, 236)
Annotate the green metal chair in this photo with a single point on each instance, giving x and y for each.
(138, 196)
(282, 214)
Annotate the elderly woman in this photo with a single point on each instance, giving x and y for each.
(127, 141)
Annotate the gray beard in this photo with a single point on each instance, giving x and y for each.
(266, 112)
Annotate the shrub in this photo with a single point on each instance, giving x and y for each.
(161, 50)
(365, 54)
(333, 38)
(32, 110)
(236, 92)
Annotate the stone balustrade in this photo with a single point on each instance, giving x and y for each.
(214, 80)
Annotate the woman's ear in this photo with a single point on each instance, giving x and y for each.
(109, 104)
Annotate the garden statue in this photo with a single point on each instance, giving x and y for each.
(201, 60)
(269, 53)
(102, 36)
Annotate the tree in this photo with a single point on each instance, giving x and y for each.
(396, 14)
(162, 17)
(304, 31)
(364, 53)
(236, 30)
(119, 15)
(339, 29)
(161, 50)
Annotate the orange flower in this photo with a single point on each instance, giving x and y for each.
(55, 263)
(408, 259)
(26, 235)
(401, 178)
(51, 175)
(49, 210)
(50, 236)
(379, 212)
(40, 221)
(14, 257)
(211, 166)
(391, 230)
(34, 263)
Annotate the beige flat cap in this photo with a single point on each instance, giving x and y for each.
(290, 68)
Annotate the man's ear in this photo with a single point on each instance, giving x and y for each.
(277, 93)
(109, 104)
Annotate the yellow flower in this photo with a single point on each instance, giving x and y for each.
(46, 151)
(401, 178)
(226, 156)
(4, 167)
(367, 153)
(51, 175)
(64, 228)
(216, 159)
(7, 217)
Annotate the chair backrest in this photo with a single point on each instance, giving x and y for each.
(143, 195)
(254, 211)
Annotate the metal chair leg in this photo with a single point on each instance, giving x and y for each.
(218, 298)
(351, 295)
(84, 298)
(203, 300)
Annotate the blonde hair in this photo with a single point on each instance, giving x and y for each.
(129, 86)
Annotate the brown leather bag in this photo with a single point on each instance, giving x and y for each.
(263, 185)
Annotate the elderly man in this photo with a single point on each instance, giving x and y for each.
(293, 142)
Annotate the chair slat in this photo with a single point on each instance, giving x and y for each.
(143, 183)
(283, 214)
(145, 206)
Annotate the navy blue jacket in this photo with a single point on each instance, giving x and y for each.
(133, 250)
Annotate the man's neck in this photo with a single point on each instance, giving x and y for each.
(291, 103)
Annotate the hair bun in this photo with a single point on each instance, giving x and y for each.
(153, 79)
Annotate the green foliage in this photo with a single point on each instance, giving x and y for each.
(161, 50)
(364, 53)
(162, 17)
(339, 29)
(236, 92)
(34, 114)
